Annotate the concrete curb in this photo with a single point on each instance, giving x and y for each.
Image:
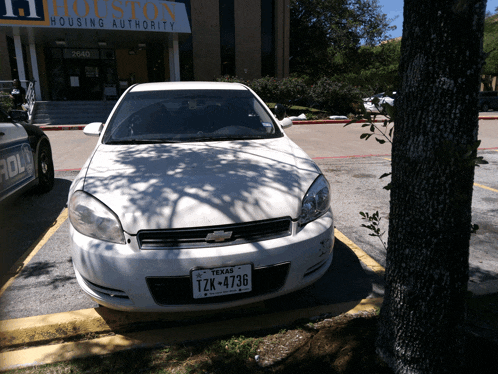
(109, 344)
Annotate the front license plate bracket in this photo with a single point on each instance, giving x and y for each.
(221, 281)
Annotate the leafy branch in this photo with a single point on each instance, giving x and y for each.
(374, 226)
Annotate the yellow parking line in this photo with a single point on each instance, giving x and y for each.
(385, 158)
(362, 255)
(486, 188)
(15, 270)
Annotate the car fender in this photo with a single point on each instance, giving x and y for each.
(36, 136)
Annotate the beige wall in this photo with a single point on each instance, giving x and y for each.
(247, 39)
(206, 39)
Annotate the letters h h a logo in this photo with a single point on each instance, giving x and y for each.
(9, 9)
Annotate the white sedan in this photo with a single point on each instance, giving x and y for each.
(194, 199)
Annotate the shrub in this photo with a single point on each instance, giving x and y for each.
(230, 79)
(335, 97)
(267, 89)
(294, 91)
(5, 101)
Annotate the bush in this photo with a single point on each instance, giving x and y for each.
(287, 91)
(327, 95)
(267, 89)
(5, 101)
(230, 79)
(293, 91)
(336, 98)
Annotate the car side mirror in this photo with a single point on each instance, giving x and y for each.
(286, 123)
(93, 129)
(280, 111)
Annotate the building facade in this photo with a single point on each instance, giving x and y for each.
(95, 49)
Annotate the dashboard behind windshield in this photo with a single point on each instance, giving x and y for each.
(189, 115)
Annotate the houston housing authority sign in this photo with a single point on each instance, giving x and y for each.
(134, 15)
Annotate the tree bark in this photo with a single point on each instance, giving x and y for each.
(433, 160)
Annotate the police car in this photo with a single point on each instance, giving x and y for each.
(25, 156)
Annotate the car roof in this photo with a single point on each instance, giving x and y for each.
(163, 86)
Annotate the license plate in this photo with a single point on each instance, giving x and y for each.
(221, 281)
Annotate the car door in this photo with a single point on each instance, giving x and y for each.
(16, 158)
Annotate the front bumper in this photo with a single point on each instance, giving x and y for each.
(124, 277)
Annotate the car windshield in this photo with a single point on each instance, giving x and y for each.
(171, 116)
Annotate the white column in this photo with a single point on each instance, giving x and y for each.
(34, 65)
(174, 58)
(19, 57)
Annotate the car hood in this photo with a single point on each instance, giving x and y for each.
(182, 185)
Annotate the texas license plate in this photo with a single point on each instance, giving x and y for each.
(221, 281)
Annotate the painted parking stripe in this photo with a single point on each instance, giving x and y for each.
(361, 254)
(485, 187)
(15, 270)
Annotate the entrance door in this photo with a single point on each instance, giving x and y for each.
(85, 79)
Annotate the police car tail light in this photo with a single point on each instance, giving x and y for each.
(92, 218)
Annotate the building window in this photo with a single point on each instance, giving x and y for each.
(227, 37)
(268, 38)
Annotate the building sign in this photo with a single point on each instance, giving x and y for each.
(135, 15)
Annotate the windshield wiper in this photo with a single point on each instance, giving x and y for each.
(228, 137)
(142, 141)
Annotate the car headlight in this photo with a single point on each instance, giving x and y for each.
(92, 218)
(316, 202)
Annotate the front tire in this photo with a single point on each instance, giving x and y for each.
(45, 168)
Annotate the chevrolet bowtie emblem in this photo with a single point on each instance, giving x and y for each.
(219, 236)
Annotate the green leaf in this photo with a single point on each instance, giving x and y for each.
(385, 175)
(381, 141)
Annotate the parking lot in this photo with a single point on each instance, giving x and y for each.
(40, 275)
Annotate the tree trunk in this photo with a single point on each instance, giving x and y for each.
(433, 160)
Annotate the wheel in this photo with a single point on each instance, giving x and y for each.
(45, 168)
(485, 107)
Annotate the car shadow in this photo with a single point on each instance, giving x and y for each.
(24, 220)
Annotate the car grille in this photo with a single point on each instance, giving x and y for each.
(178, 290)
(215, 236)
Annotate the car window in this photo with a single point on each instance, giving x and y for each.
(189, 115)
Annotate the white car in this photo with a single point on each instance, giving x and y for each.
(25, 156)
(375, 103)
(195, 199)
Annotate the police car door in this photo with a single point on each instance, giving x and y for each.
(16, 159)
